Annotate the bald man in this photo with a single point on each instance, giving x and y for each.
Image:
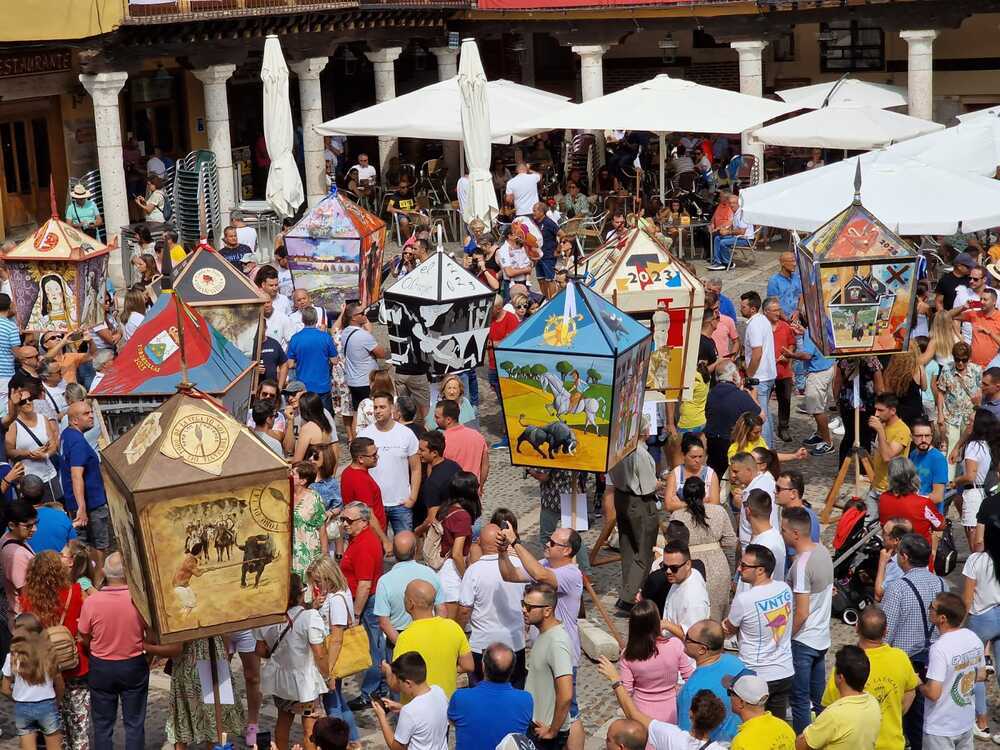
(626, 734)
(440, 641)
(704, 644)
(83, 488)
(483, 715)
(492, 607)
(300, 301)
(390, 591)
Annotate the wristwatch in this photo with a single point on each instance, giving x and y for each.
(616, 684)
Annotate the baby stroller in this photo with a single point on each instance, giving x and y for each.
(856, 545)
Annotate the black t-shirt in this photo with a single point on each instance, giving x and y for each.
(272, 356)
(708, 352)
(434, 489)
(724, 406)
(416, 428)
(948, 286)
(655, 588)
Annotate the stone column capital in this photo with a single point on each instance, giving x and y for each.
(444, 53)
(750, 48)
(310, 68)
(919, 36)
(104, 87)
(384, 56)
(215, 74)
(591, 50)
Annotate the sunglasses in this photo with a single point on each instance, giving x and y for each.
(349, 521)
(744, 565)
(674, 568)
(689, 639)
(525, 605)
(550, 542)
(961, 359)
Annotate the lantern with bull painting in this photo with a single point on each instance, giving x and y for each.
(859, 284)
(438, 316)
(572, 383)
(202, 514)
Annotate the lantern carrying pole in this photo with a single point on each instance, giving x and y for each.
(216, 696)
(857, 457)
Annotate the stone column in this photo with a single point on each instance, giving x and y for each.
(213, 80)
(311, 104)
(104, 89)
(592, 87)
(752, 83)
(385, 89)
(920, 72)
(447, 62)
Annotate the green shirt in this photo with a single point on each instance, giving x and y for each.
(550, 658)
(84, 215)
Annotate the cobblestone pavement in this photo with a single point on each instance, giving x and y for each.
(507, 486)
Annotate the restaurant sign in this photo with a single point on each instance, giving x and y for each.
(35, 63)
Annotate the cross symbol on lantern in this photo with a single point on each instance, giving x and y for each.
(897, 276)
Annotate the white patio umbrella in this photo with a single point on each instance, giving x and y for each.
(284, 186)
(972, 147)
(665, 105)
(845, 91)
(435, 111)
(845, 126)
(988, 112)
(482, 199)
(911, 197)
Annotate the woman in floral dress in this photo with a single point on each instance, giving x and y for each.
(957, 394)
(191, 720)
(308, 519)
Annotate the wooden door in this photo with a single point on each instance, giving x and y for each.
(20, 173)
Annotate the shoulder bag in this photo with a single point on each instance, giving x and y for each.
(291, 622)
(355, 651)
(432, 545)
(62, 642)
(921, 656)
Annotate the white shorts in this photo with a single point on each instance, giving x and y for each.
(971, 500)
(243, 641)
(451, 581)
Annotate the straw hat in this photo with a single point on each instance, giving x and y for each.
(994, 270)
(80, 191)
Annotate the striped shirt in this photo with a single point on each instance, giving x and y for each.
(9, 338)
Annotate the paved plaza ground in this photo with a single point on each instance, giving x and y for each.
(507, 486)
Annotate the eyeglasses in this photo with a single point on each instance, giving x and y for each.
(675, 568)
(779, 488)
(689, 639)
(349, 521)
(27, 524)
(744, 565)
(525, 605)
(550, 542)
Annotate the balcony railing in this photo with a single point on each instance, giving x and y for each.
(161, 10)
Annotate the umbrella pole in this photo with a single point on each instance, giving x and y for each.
(663, 167)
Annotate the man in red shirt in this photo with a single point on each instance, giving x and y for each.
(784, 383)
(356, 484)
(504, 323)
(465, 446)
(362, 567)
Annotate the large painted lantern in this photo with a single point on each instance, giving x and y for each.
(202, 513)
(438, 316)
(57, 278)
(335, 251)
(572, 381)
(148, 369)
(230, 302)
(640, 277)
(858, 284)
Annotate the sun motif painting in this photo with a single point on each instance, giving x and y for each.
(572, 380)
(858, 285)
(201, 510)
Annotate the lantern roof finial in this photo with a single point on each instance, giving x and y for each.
(857, 184)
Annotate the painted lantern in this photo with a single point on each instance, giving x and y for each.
(230, 302)
(202, 513)
(640, 277)
(438, 317)
(335, 251)
(572, 382)
(859, 284)
(57, 278)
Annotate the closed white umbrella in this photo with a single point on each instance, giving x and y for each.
(482, 198)
(845, 91)
(284, 185)
(845, 126)
(909, 196)
(435, 112)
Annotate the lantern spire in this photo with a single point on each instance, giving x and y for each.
(857, 183)
(167, 287)
(52, 197)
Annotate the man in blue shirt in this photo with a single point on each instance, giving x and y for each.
(312, 351)
(703, 643)
(390, 590)
(818, 382)
(726, 306)
(83, 487)
(787, 287)
(545, 268)
(930, 463)
(55, 528)
(487, 713)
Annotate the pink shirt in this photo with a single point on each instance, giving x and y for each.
(653, 683)
(466, 447)
(116, 626)
(14, 559)
(725, 334)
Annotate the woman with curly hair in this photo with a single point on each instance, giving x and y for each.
(49, 594)
(905, 377)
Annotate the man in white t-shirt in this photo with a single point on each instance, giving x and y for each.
(687, 601)
(423, 717)
(266, 280)
(365, 171)
(759, 352)
(811, 577)
(398, 470)
(245, 234)
(513, 260)
(300, 301)
(522, 190)
(277, 325)
(758, 508)
(763, 618)
(744, 472)
(492, 607)
(954, 665)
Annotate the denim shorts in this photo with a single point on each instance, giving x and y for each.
(37, 716)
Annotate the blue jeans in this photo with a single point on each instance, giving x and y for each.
(722, 248)
(799, 367)
(336, 707)
(471, 386)
(987, 627)
(110, 681)
(764, 390)
(400, 518)
(808, 684)
(373, 682)
(37, 716)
